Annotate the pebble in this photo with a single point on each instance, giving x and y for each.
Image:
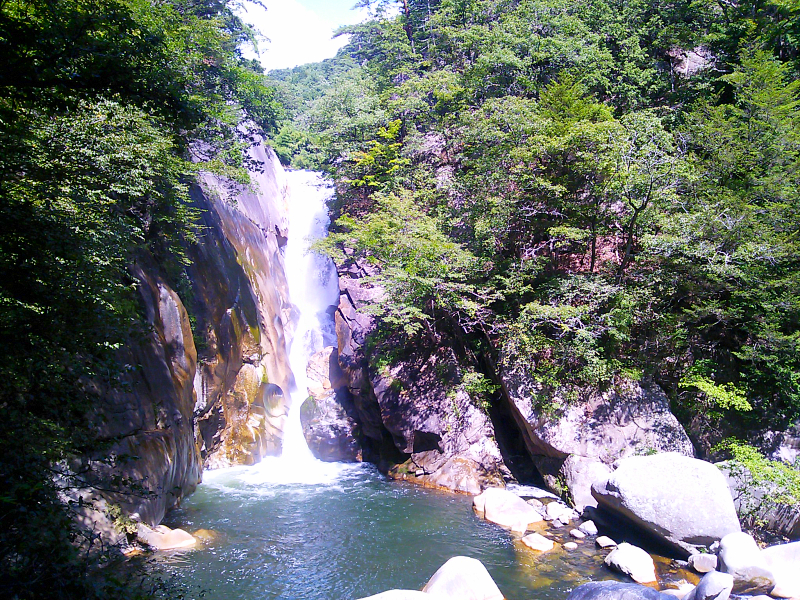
(571, 546)
(577, 533)
(588, 527)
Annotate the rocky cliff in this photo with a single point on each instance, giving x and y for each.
(206, 382)
(409, 410)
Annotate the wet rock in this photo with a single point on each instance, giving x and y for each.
(713, 586)
(456, 474)
(632, 561)
(577, 533)
(588, 527)
(578, 442)
(740, 556)
(538, 505)
(538, 542)
(605, 542)
(164, 538)
(703, 563)
(507, 509)
(783, 561)
(328, 415)
(462, 578)
(570, 546)
(614, 590)
(206, 536)
(682, 500)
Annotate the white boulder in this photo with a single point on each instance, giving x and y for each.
(740, 556)
(588, 527)
(703, 563)
(605, 542)
(506, 508)
(538, 542)
(633, 561)
(682, 500)
(783, 561)
(462, 578)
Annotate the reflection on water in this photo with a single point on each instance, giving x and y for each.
(349, 533)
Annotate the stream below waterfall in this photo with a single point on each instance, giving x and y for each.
(294, 528)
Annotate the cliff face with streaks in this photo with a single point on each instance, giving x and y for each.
(207, 380)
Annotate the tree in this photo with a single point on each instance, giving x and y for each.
(103, 107)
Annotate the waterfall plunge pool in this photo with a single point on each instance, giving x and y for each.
(345, 533)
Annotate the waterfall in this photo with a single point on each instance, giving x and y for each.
(314, 291)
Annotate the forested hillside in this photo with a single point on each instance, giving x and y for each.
(587, 191)
(108, 109)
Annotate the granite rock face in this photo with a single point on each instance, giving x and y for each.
(244, 315)
(150, 419)
(683, 501)
(205, 391)
(415, 421)
(579, 441)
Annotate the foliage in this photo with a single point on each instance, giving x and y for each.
(107, 110)
(763, 485)
(549, 183)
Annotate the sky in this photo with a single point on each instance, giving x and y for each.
(299, 31)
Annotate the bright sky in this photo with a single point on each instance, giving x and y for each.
(299, 30)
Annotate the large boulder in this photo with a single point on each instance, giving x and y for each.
(633, 561)
(681, 500)
(783, 561)
(713, 586)
(740, 556)
(463, 578)
(506, 509)
(614, 590)
(576, 442)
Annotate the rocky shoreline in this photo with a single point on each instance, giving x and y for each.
(708, 536)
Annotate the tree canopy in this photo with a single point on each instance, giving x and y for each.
(607, 190)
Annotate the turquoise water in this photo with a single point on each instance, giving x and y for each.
(349, 533)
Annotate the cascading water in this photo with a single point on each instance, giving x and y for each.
(313, 288)
(314, 291)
